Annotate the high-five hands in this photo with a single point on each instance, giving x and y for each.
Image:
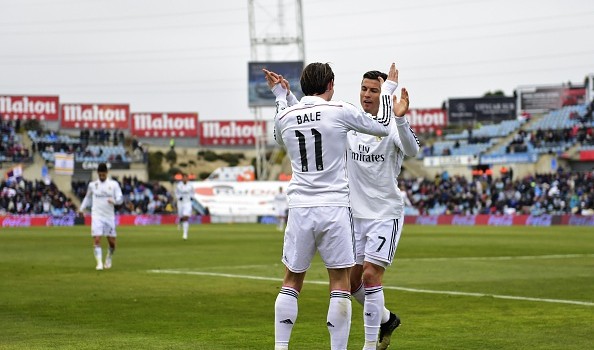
(400, 107)
(392, 74)
(273, 78)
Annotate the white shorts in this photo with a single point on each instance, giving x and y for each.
(376, 240)
(184, 209)
(327, 230)
(103, 227)
(282, 212)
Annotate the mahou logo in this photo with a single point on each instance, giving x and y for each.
(422, 120)
(231, 133)
(29, 107)
(95, 116)
(165, 124)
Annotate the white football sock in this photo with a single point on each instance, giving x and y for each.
(339, 319)
(98, 254)
(359, 294)
(372, 312)
(385, 315)
(185, 226)
(285, 315)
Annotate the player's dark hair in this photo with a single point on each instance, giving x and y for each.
(102, 168)
(374, 75)
(315, 78)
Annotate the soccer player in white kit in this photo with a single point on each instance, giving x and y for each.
(184, 193)
(378, 208)
(313, 132)
(102, 195)
(280, 207)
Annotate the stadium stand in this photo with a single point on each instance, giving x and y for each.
(12, 148)
(50, 142)
(20, 196)
(553, 193)
(139, 197)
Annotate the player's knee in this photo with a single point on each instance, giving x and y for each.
(372, 277)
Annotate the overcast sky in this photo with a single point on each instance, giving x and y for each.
(191, 55)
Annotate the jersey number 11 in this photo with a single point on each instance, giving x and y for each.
(317, 150)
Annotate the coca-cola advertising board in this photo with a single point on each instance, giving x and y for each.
(426, 120)
(44, 108)
(95, 116)
(165, 124)
(230, 133)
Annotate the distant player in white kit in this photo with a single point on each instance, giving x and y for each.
(314, 133)
(102, 194)
(378, 208)
(184, 192)
(280, 206)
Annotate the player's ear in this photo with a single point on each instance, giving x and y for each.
(330, 85)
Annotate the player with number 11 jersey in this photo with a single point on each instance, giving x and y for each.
(314, 132)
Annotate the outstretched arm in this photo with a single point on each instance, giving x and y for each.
(278, 84)
(408, 140)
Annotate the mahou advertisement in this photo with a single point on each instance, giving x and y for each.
(426, 120)
(165, 124)
(95, 116)
(230, 133)
(44, 108)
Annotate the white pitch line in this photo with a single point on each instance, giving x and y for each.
(502, 258)
(520, 257)
(412, 290)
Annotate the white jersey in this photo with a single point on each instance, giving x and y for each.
(184, 193)
(280, 203)
(97, 195)
(314, 132)
(373, 167)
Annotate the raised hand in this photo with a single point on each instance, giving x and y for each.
(400, 107)
(273, 78)
(393, 73)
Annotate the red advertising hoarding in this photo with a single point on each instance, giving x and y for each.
(165, 124)
(95, 116)
(230, 133)
(426, 120)
(45, 108)
(586, 155)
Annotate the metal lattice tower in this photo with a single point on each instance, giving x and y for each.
(276, 34)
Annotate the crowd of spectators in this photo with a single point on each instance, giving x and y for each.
(19, 196)
(11, 149)
(552, 193)
(98, 146)
(101, 137)
(139, 197)
(549, 138)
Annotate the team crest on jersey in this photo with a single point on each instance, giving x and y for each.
(378, 138)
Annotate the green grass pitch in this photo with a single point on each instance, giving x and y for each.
(454, 288)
